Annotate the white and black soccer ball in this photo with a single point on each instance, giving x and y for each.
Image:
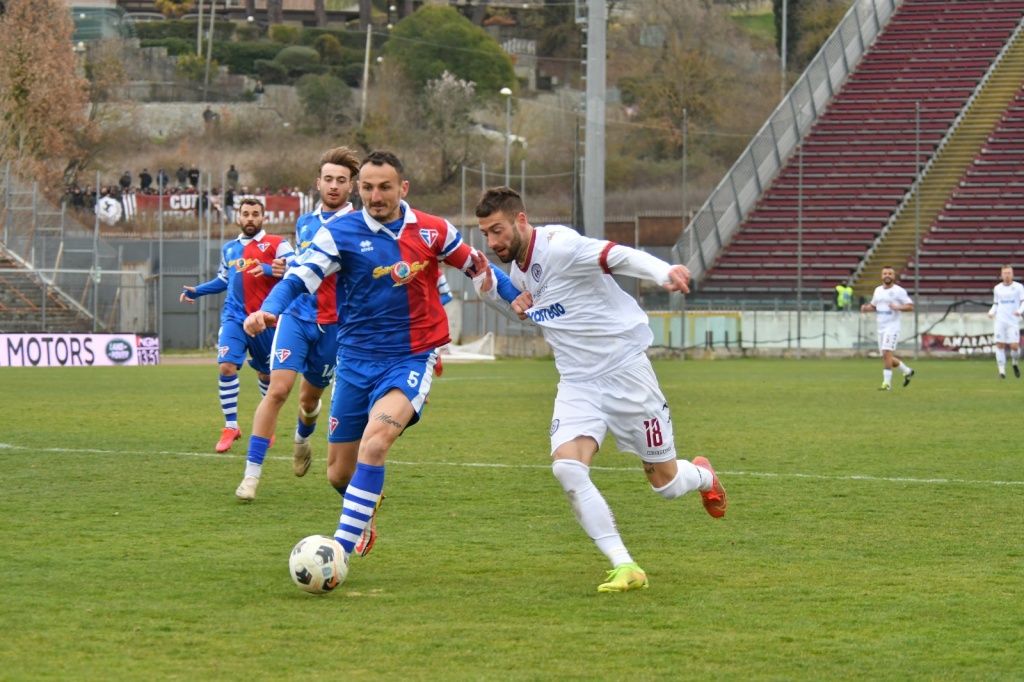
(318, 564)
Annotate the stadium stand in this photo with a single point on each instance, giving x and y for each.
(982, 224)
(859, 161)
(23, 298)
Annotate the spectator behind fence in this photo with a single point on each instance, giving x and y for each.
(232, 177)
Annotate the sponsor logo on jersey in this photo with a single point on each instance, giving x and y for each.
(282, 354)
(548, 313)
(365, 246)
(554, 426)
(332, 424)
(243, 264)
(429, 236)
(536, 271)
(401, 271)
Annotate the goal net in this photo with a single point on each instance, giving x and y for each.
(481, 349)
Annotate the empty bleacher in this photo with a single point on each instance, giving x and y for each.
(853, 169)
(27, 306)
(982, 224)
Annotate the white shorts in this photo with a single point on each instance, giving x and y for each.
(887, 339)
(1007, 332)
(627, 402)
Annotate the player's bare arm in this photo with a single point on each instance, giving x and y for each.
(185, 298)
(258, 322)
(867, 308)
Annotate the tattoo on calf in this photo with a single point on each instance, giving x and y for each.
(386, 418)
(648, 468)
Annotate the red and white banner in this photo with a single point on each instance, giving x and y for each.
(78, 350)
(980, 344)
(279, 209)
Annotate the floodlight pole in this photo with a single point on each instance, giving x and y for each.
(917, 223)
(782, 52)
(507, 92)
(366, 74)
(799, 248)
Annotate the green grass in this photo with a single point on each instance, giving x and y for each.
(870, 535)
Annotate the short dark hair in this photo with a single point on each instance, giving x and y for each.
(253, 201)
(503, 199)
(340, 156)
(379, 157)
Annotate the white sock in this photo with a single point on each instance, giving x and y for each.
(253, 469)
(1015, 355)
(887, 376)
(690, 477)
(904, 368)
(590, 508)
(1001, 360)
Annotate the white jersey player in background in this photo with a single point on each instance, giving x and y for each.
(1007, 306)
(599, 336)
(889, 301)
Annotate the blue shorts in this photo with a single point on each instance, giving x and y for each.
(360, 383)
(306, 347)
(233, 342)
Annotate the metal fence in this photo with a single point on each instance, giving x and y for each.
(56, 274)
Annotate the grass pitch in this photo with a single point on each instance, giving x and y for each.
(869, 534)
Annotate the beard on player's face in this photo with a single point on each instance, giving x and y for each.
(250, 227)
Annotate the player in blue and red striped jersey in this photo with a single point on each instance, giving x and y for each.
(306, 339)
(247, 274)
(386, 257)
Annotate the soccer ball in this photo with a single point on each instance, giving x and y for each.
(318, 564)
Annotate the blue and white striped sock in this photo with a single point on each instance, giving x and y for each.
(360, 500)
(229, 399)
(264, 387)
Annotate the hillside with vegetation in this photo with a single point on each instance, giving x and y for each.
(433, 96)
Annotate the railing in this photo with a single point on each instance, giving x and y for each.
(719, 218)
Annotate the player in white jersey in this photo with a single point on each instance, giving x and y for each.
(889, 301)
(1007, 306)
(599, 335)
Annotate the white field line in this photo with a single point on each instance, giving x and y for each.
(489, 465)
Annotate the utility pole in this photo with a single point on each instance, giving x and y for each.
(594, 150)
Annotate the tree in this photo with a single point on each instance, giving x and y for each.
(324, 98)
(43, 98)
(437, 39)
(320, 12)
(106, 72)
(808, 25)
(691, 57)
(448, 103)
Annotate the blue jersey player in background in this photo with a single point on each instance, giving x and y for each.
(246, 273)
(386, 257)
(306, 339)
